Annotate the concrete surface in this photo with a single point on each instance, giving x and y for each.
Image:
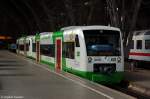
(21, 78)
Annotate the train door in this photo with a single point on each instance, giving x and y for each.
(38, 51)
(25, 48)
(58, 54)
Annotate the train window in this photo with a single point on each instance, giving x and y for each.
(47, 49)
(139, 44)
(147, 44)
(34, 47)
(68, 50)
(21, 47)
(147, 33)
(17, 46)
(29, 43)
(102, 42)
(27, 47)
(77, 41)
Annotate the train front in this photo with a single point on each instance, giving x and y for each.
(104, 55)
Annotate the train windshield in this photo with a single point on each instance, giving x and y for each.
(102, 42)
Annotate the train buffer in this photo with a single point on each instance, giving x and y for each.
(22, 78)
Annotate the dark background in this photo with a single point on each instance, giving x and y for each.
(27, 17)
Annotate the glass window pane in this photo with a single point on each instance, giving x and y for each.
(147, 33)
(47, 49)
(77, 41)
(139, 44)
(147, 44)
(69, 50)
(21, 47)
(102, 42)
(34, 47)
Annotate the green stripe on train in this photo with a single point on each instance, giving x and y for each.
(31, 57)
(115, 77)
(51, 65)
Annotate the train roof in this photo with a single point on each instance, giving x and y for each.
(30, 36)
(45, 33)
(142, 32)
(21, 38)
(90, 27)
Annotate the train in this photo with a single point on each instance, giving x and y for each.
(91, 52)
(139, 53)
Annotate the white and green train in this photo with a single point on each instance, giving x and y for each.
(21, 46)
(92, 52)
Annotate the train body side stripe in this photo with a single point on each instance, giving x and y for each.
(139, 54)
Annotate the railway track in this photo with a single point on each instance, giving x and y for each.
(123, 87)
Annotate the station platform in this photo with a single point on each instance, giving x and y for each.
(139, 79)
(22, 78)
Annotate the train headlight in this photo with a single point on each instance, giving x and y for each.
(89, 59)
(119, 59)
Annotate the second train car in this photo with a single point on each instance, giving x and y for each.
(139, 54)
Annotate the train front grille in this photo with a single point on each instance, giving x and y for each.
(104, 68)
